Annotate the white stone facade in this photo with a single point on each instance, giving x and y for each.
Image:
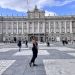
(36, 23)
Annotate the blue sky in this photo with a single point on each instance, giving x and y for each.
(20, 7)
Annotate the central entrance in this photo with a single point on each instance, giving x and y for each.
(40, 38)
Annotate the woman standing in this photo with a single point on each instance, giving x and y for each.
(35, 52)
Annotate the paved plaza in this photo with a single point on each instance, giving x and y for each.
(54, 60)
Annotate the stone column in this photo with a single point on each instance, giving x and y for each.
(38, 32)
(70, 26)
(12, 27)
(6, 28)
(49, 27)
(71, 35)
(33, 27)
(44, 32)
(43, 27)
(54, 27)
(22, 27)
(1, 28)
(27, 27)
(65, 26)
(38, 26)
(49, 31)
(27, 30)
(60, 26)
(17, 27)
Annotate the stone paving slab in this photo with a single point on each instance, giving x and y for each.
(59, 66)
(42, 48)
(56, 60)
(72, 54)
(4, 64)
(58, 48)
(65, 49)
(29, 52)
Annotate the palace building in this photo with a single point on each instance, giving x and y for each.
(37, 24)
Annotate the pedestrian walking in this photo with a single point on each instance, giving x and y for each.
(14, 39)
(63, 42)
(19, 45)
(26, 42)
(34, 51)
(48, 44)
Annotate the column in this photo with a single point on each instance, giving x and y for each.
(38, 26)
(65, 26)
(0, 28)
(54, 27)
(22, 27)
(12, 27)
(49, 27)
(49, 30)
(33, 27)
(38, 32)
(70, 26)
(17, 27)
(27, 27)
(60, 26)
(6, 28)
(27, 30)
(44, 32)
(71, 35)
(43, 27)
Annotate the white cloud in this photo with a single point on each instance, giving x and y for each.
(64, 3)
(21, 5)
(55, 2)
(48, 13)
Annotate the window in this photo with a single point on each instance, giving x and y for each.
(52, 26)
(9, 27)
(14, 27)
(47, 26)
(19, 27)
(35, 26)
(41, 27)
(67, 24)
(30, 28)
(62, 23)
(57, 24)
(24, 27)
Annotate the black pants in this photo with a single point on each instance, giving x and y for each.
(34, 55)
